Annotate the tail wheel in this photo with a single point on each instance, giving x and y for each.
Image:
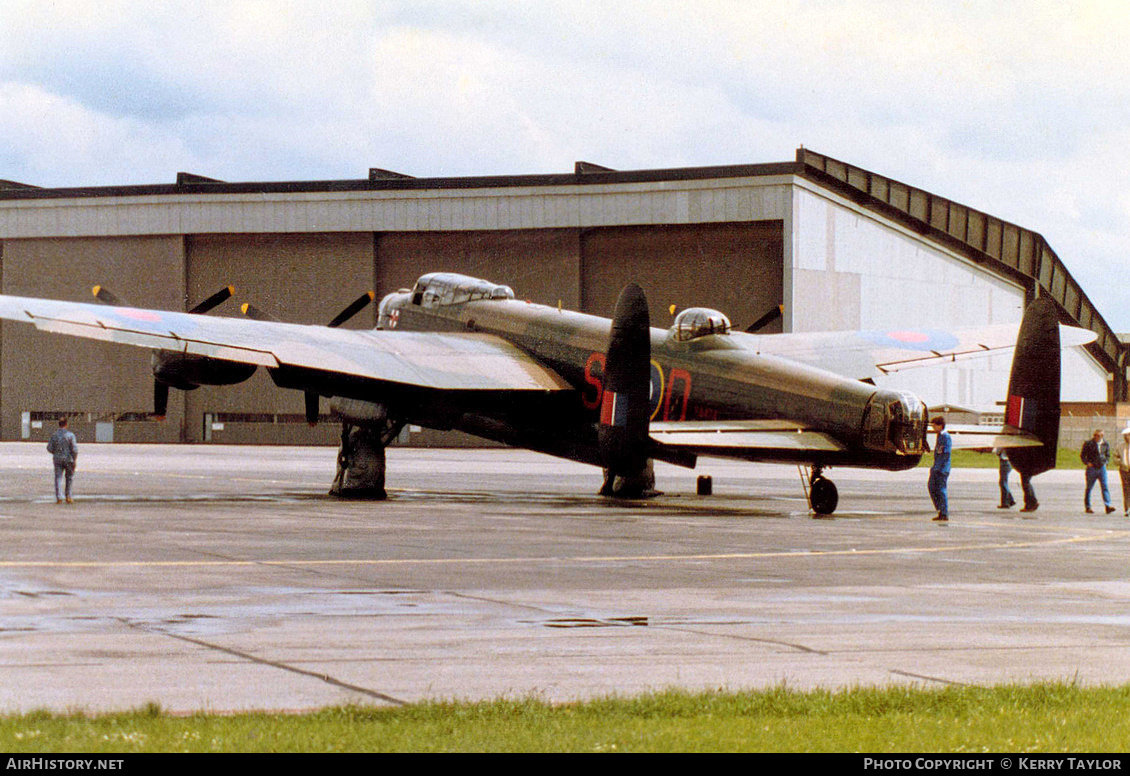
(823, 497)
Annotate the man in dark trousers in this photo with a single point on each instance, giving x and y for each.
(64, 453)
(1096, 453)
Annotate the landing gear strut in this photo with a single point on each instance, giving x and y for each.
(822, 494)
(629, 486)
(361, 460)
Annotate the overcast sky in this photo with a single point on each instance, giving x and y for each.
(1019, 109)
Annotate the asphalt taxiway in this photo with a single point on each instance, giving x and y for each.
(223, 578)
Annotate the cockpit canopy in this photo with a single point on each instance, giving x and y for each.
(439, 289)
(695, 322)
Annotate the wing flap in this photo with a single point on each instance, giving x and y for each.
(745, 434)
(155, 341)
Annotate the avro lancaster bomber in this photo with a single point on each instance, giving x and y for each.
(456, 352)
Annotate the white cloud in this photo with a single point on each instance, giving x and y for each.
(52, 138)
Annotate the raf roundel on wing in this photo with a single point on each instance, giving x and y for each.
(922, 339)
(145, 320)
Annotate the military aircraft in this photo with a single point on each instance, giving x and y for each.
(456, 352)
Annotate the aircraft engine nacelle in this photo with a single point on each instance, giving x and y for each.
(187, 372)
(358, 412)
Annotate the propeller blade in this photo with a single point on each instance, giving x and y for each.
(160, 399)
(214, 300)
(255, 314)
(105, 296)
(766, 319)
(312, 408)
(358, 304)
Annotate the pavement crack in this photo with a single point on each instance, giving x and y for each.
(924, 677)
(496, 601)
(737, 637)
(262, 661)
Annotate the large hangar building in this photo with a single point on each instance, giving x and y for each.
(838, 246)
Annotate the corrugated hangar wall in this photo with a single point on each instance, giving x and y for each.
(542, 265)
(736, 268)
(51, 373)
(298, 278)
(308, 278)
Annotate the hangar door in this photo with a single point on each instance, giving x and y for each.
(737, 268)
(539, 264)
(298, 278)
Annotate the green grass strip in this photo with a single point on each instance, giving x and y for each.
(1035, 718)
(972, 459)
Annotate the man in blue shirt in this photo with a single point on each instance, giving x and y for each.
(64, 453)
(940, 471)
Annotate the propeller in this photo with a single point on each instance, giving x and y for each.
(312, 408)
(215, 300)
(622, 434)
(160, 387)
(254, 313)
(105, 296)
(356, 306)
(160, 398)
(766, 319)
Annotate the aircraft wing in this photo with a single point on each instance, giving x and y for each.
(785, 439)
(443, 361)
(706, 435)
(867, 354)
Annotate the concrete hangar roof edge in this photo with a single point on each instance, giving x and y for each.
(1012, 251)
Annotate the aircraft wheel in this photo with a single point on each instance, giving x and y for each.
(823, 496)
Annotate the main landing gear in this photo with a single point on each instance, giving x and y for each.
(630, 486)
(361, 459)
(821, 492)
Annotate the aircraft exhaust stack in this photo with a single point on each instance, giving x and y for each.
(1033, 387)
(625, 407)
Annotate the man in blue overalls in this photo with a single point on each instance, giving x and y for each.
(64, 452)
(940, 471)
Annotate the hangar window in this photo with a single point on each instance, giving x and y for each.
(698, 322)
(440, 289)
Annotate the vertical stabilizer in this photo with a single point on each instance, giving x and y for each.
(625, 408)
(1033, 387)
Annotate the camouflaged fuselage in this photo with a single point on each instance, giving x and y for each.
(713, 378)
